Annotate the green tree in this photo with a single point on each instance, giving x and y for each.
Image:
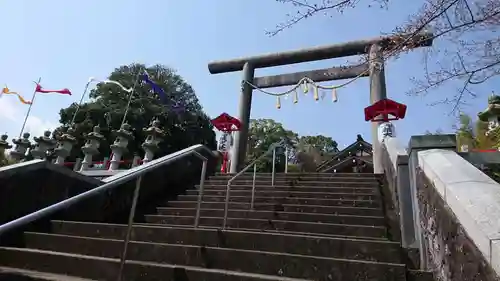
(262, 134)
(108, 103)
(321, 143)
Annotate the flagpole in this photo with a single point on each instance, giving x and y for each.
(29, 108)
(130, 96)
(81, 101)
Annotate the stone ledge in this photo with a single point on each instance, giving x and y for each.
(397, 153)
(473, 197)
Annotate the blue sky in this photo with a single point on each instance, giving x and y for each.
(66, 42)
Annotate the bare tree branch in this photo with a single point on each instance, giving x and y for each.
(468, 49)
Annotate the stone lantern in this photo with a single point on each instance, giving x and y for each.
(154, 135)
(64, 145)
(91, 147)
(43, 144)
(21, 147)
(119, 147)
(491, 114)
(4, 144)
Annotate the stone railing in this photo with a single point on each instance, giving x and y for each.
(448, 209)
(57, 149)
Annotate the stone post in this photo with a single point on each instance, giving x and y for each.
(377, 92)
(91, 147)
(119, 147)
(240, 145)
(65, 144)
(22, 145)
(43, 144)
(154, 135)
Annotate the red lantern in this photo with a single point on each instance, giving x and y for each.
(385, 107)
(226, 124)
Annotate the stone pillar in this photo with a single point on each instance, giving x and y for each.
(238, 153)
(377, 92)
(91, 147)
(416, 144)
(64, 145)
(119, 147)
(43, 144)
(154, 135)
(22, 145)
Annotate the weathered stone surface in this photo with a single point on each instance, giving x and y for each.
(106, 269)
(331, 200)
(305, 202)
(268, 215)
(322, 189)
(246, 223)
(16, 274)
(360, 208)
(384, 251)
(277, 264)
(450, 251)
(330, 182)
(352, 183)
(370, 194)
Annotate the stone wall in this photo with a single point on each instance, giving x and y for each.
(450, 252)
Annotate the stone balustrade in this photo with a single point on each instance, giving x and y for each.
(448, 209)
(59, 148)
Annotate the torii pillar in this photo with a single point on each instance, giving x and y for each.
(373, 47)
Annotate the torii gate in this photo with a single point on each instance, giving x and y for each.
(374, 47)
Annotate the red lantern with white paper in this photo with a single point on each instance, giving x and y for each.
(226, 124)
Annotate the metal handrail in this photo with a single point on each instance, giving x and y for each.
(134, 173)
(253, 163)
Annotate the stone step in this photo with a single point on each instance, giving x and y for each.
(16, 274)
(296, 194)
(374, 250)
(100, 268)
(269, 263)
(367, 190)
(353, 183)
(262, 224)
(352, 202)
(346, 209)
(288, 216)
(274, 231)
(282, 181)
(301, 175)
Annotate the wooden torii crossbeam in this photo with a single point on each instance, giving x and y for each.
(374, 47)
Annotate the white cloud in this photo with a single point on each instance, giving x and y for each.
(36, 126)
(8, 111)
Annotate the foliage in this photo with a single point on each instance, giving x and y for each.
(473, 134)
(321, 143)
(469, 51)
(264, 132)
(476, 138)
(261, 135)
(108, 103)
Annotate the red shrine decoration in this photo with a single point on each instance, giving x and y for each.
(385, 107)
(226, 124)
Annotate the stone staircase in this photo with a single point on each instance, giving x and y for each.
(307, 227)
